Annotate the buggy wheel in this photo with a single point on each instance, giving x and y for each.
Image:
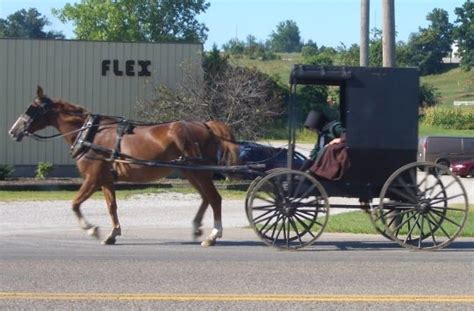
(424, 210)
(288, 209)
(377, 222)
(252, 186)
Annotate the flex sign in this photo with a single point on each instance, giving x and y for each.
(129, 68)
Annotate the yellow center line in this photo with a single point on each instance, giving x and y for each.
(237, 297)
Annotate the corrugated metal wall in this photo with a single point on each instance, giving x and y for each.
(72, 70)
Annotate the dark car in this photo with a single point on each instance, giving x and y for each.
(463, 168)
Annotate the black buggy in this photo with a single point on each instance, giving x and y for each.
(419, 205)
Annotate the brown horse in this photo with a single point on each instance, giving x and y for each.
(100, 166)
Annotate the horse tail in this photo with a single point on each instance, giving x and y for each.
(229, 149)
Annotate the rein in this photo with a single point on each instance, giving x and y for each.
(43, 138)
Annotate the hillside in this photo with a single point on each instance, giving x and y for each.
(453, 84)
(279, 69)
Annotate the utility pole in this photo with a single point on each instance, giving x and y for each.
(364, 32)
(388, 36)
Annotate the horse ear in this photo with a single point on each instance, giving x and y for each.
(39, 92)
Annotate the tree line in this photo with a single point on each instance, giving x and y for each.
(424, 49)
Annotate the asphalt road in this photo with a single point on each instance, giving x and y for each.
(47, 263)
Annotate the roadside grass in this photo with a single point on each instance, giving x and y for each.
(359, 222)
(425, 130)
(65, 195)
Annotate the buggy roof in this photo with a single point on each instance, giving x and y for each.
(321, 75)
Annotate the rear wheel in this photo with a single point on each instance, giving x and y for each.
(425, 210)
(288, 209)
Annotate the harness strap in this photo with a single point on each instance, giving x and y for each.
(123, 127)
(87, 133)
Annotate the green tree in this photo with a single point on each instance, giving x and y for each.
(375, 48)
(286, 38)
(428, 47)
(27, 24)
(136, 20)
(464, 34)
(309, 48)
(214, 64)
(347, 56)
(234, 47)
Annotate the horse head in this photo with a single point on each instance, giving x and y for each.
(35, 118)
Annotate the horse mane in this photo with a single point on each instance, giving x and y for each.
(68, 108)
(74, 113)
(229, 148)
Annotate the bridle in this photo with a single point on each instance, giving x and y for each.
(36, 111)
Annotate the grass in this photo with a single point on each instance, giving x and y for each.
(359, 222)
(10, 196)
(425, 130)
(454, 84)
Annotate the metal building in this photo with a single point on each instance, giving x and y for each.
(105, 77)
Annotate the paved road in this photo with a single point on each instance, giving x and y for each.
(47, 263)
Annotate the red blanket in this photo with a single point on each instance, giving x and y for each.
(334, 161)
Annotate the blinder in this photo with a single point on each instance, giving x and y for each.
(35, 111)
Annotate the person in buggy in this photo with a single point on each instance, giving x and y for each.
(328, 158)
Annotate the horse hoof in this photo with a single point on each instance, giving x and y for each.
(197, 233)
(109, 241)
(94, 232)
(208, 242)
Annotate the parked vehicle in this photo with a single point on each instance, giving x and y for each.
(444, 149)
(463, 168)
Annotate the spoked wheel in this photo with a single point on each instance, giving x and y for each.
(423, 209)
(288, 209)
(377, 221)
(252, 186)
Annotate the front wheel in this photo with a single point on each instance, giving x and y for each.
(424, 210)
(288, 209)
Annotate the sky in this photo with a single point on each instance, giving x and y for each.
(326, 22)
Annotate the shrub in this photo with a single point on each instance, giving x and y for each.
(429, 95)
(458, 118)
(43, 170)
(5, 171)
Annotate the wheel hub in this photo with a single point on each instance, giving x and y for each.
(289, 210)
(424, 206)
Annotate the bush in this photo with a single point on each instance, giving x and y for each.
(5, 171)
(429, 95)
(43, 170)
(458, 118)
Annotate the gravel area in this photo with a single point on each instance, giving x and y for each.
(165, 210)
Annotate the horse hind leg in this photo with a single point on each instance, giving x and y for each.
(197, 221)
(109, 194)
(204, 185)
(85, 191)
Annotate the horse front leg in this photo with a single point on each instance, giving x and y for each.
(109, 193)
(216, 203)
(87, 188)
